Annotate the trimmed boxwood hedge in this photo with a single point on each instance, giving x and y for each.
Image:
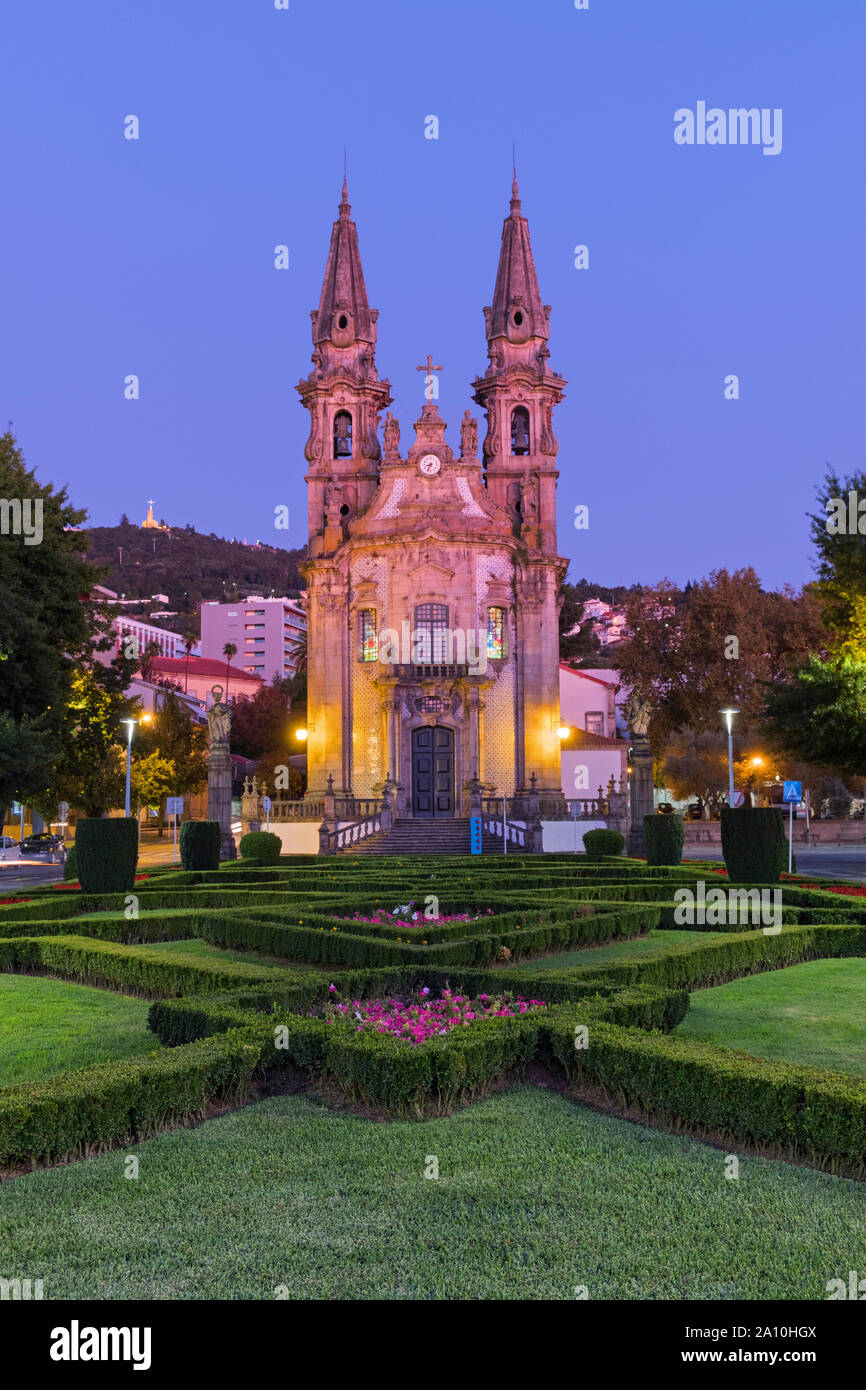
(753, 843)
(118, 1103)
(106, 851)
(260, 845)
(802, 1111)
(599, 843)
(664, 837)
(131, 969)
(200, 844)
(218, 1018)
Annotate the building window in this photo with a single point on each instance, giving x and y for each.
(369, 636)
(342, 435)
(520, 430)
(430, 638)
(496, 632)
(595, 723)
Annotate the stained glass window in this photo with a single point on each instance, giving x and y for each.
(369, 635)
(496, 632)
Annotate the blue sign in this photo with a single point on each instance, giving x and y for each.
(475, 835)
(792, 791)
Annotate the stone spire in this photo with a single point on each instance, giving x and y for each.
(344, 313)
(516, 297)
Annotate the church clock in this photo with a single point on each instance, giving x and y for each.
(429, 465)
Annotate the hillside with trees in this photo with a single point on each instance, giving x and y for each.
(189, 566)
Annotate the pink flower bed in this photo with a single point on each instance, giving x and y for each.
(416, 1020)
(413, 920)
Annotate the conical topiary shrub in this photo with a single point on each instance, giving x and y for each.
(753, 843)
(664, 836)
(106, 853)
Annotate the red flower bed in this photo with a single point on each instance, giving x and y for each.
(850, 890)
(4, 901)
(76, 884)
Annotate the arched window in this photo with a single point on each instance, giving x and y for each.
(496, 632)
(342, 435)
(430, 638)
(520, 430)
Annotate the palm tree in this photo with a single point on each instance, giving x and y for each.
(229, 650)
(189, 640)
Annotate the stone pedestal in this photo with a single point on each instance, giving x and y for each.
(641, 792)
(219, 797)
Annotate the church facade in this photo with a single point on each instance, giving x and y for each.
(432, 573)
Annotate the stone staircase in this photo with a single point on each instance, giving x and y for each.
(410, 837)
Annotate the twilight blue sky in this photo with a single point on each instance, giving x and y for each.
(156, 256)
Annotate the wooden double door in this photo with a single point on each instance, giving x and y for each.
(432, 773)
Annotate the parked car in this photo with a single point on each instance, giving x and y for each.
(8, 842)
(665, 808)
(42, 843)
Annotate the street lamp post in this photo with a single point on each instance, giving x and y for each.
(130, 723)
(729, 719)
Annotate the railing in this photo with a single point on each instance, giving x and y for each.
(332, 841)
(588, 808)
(419, 672)
(515, 834)
(283, 811)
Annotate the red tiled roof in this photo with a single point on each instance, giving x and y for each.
(581, 739)
(584, 675)
(200, 666)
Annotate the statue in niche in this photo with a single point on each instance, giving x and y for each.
(468, 436)
(392, 437)
(333, 503)
(530, 502)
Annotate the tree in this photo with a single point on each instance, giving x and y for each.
(841, 563)
(262, 722)
(821, 714)
(180, 741)
(229, 650)
(577, 641)
(90, 766)
(46, 631)
(25, 754)
(722, 644)
(153, 778)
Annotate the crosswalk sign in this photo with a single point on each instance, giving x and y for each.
(793, 792)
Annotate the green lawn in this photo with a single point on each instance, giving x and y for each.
(536, 1195)
(49, 1026)
(813, 1013)
(203, 949)
(650, 944)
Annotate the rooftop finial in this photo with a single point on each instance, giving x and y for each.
(344, 198)
(515, 194)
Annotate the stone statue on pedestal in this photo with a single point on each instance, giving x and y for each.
(219, 772)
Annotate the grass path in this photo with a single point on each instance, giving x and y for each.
(48, 1026)
(204, 951)
(650, 944)
(813, 1013)
(286, 1192)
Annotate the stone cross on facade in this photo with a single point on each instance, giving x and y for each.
(428, 380)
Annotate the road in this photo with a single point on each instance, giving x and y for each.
(824, 861)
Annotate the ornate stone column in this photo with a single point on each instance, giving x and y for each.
(219, 772)
(637, 712)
